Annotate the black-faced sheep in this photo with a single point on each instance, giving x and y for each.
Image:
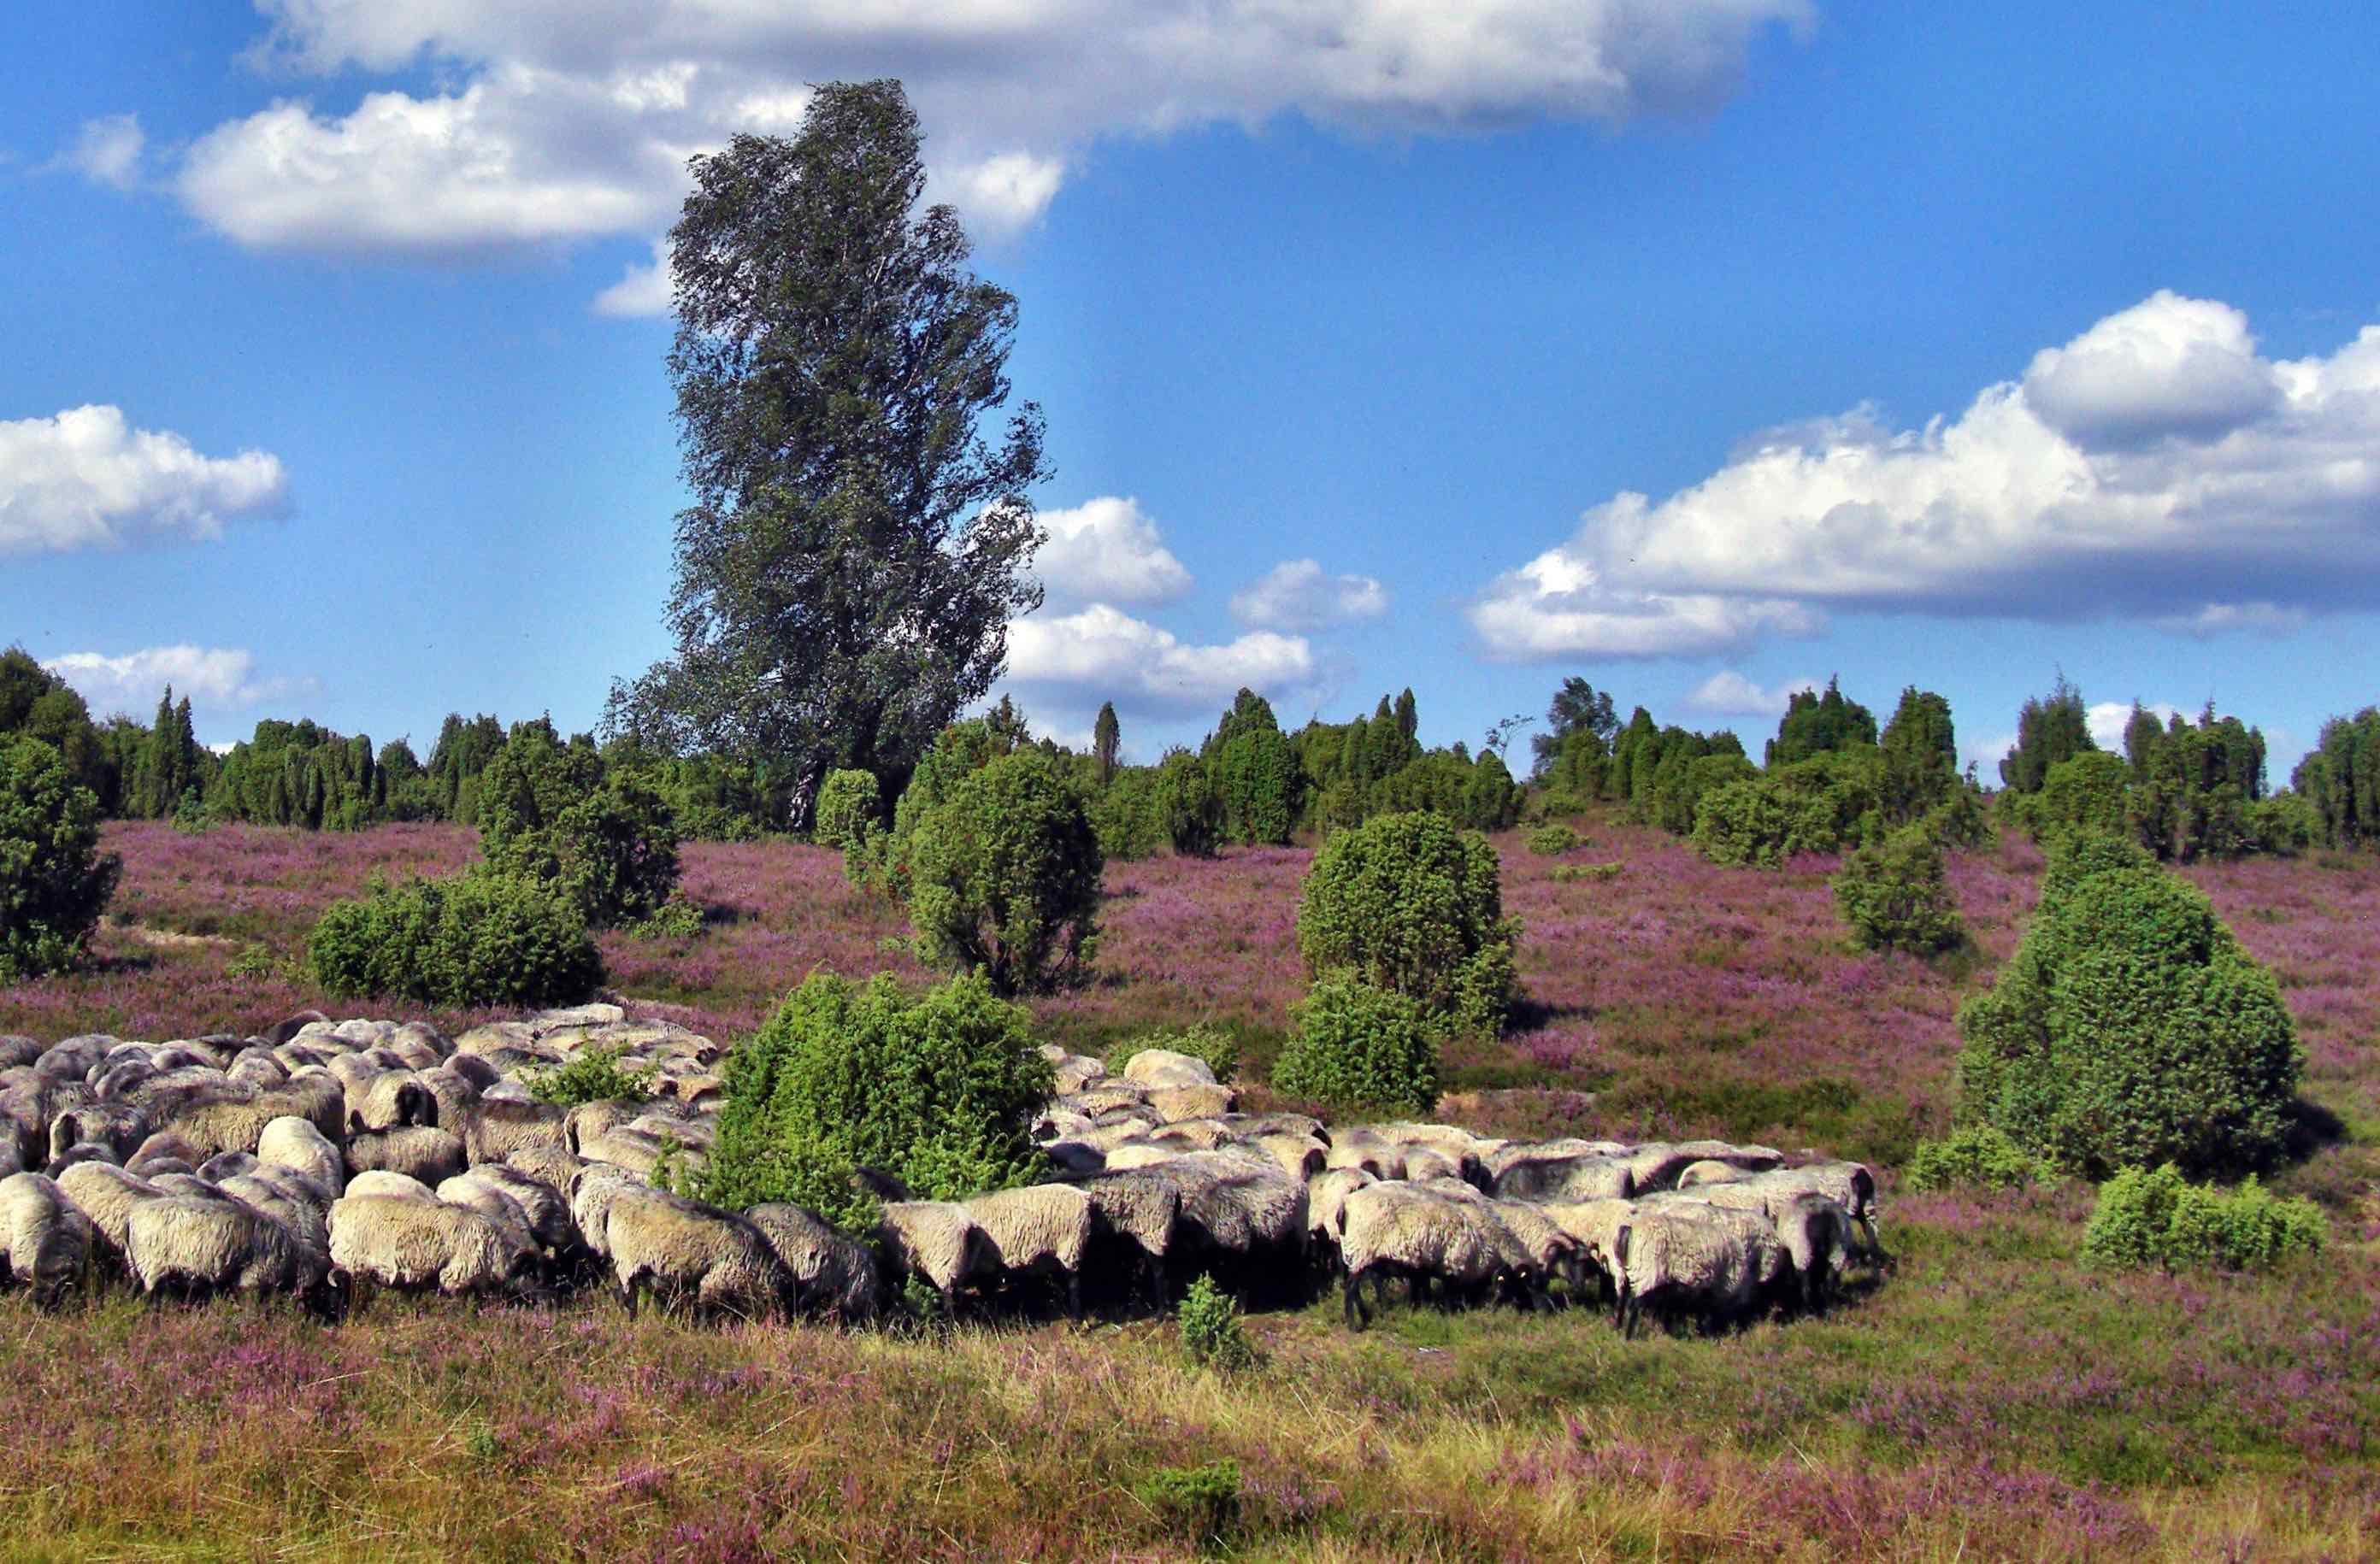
(694, 1255)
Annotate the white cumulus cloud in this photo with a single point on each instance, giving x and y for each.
(85, 478)
(1108, 550)
(643, 289)
(1102, 653)
(131, 683)
(2153, 469)
(106, 151)
(558, 120)
(1299, 594)
(1728, 694)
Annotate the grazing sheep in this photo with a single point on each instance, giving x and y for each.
(938, 1240)
(1565, 1179)
(1850, 1185)
(1359, 1147)
(1174, 1104)
(592, 1190)
(1708, 1172)
(432, 1155)
(17, 1051)
(691, 1253)
(542, 1204)
(1042, 1229)
(72, 1059)
(1686, 1258)
(1393, 1229)
(1423, 1165)
(105, 1194)
(624, 1146)
(553, 1165)
(591, 1119)
(235, 1123)
(1812, 1228)
(1136, 1214)
(1326, 1192)
(226, 1164)
(1301, 1157)
(194, 1246)
(498, 1127)
(1193, 1134)
(258, 1068)
(1510, 1152)
(394, 1100)
(1243, 1219)
(494, 1202)
(833, 1275)
(118, 1126)
(165, 1145)
(45, 1243)
(1155, 1068)
(1106, 1096)
(377, 1183)
(412, 1244)
(292, 1143)
(1073, 1073)
(293, 1208)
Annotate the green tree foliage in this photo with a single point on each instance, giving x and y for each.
(1894, 896)
(1921, 756)
(2130, 1028)
(594, 1075)
(1187, 804)
(2340, 779)
(456, 762)
(850, 818)
(1621, 772)
(548, 813)
(467, 941)
(938, 1091)
(2084, 791)
(1409, 903)
(2048, 729)
(55, 883)
(1004, 876)
(38, 703)
(1818, 724)
(302, 774)
(1256, 775)
(1578, 709)
(2194, 787)
(1822, 804)
(2160, 1219)
(1107, 740)
(1212, 1335)
(1356, 1045)
(856, 551)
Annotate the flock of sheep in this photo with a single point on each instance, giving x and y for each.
(328, 1158)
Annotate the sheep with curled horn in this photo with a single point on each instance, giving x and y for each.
(833, 1275)
(45, 1241)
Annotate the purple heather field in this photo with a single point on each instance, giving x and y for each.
(1991, 1398)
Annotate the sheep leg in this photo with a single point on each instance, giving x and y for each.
(1074, 1294)
(1352, 1300)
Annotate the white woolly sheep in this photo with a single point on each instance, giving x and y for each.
(1042, 1229)
(196, 1245)
(45, 1243)
(834, 1274)
(1137, 1214)
(1326, 1192)
(1569, 1178)
(1155, 1068)
(106, 1195)
(938, 1240)
(413, 1244)
(687, 1252)
(1685, 1257)
(292, 1143)
(393, 1099)
(1393, 1229)
(433, 1155)
(118, 1126)
(1812, 1228)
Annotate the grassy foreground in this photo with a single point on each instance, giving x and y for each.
(1993, 1399)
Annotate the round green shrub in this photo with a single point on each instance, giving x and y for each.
(850, 808)
(1188, 809)
(1895, 896)
(1409, 903)
(2160, 1219)
(1212, 1335)
(467, 941)
(1359, 1046)
(1829, 802)
(1004, 876)
(2083, 792)
(595, 1075)
(939, 1091)
(1978, 1156)
(55, 882)
(2131, 1029)
(1552, 840)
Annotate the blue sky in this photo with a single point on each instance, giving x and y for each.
(1699, 349)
